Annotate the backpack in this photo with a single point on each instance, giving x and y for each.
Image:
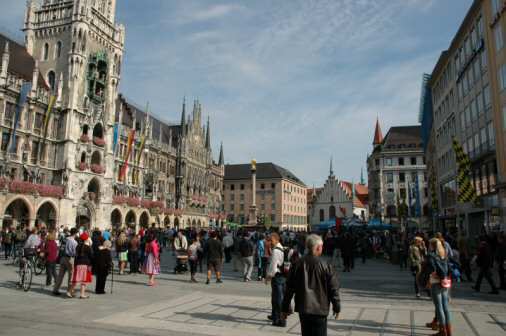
(288, 261)
(246, 248)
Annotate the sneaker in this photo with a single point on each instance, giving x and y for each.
(56, 293)
(69, 295)
(207, 282)
(281, 324)
(219, 281)
(418, 295)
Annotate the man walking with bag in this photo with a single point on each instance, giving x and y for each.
(277, 278)
(315, 285)
(246, 249)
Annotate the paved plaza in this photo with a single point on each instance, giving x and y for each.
(377, 299)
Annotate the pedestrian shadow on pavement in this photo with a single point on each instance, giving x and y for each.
(222, 317)
(259, 310)
(36, 288)
(368, 326)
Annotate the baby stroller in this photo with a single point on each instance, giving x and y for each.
(181, 262)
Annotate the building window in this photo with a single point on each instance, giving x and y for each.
(322, 215)
(242, 197)
(58, 49)
(273, 185)
(491, 134)
(413, 161)
(502, 77)
(486, 96)
(232, 187)
(388, 162)
(45, 52)
(499, 42)
(242, 186)
(5, 141)
(401, 161)
(377, 162)
(51, 80)
(9, 113)
(390, 177)
(262, 186)
(402, 177)
(241, 207)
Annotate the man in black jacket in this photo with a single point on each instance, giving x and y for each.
(315, 285)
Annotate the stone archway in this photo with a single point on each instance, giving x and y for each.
(47, 215)
(176, 223)
(17, 213)
(83, 217)
(199, 224)
(193, 223)
(144, 220)
(130, 220)
(116, 219)
(166, 221)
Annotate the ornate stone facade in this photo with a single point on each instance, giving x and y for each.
(63, 168)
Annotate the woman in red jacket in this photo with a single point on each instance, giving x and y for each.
(51, 252)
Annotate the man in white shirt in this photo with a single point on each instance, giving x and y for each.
(33, 240)
(278, 281)
(180, 243)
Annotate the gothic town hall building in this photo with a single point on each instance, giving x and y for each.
(74, 152)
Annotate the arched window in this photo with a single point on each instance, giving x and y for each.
(58, 49)
(45, 52)
(322, 215)
(51, 80)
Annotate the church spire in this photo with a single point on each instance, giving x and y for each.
(183, 117)
(208, 134)
(331, 169)
(221, 160)
(378, 136)
(362, 181)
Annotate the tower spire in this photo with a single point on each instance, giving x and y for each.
(331, 168)
(183, 117)
(208, 134)
(362, 181)
(378, 136)
(221, 160)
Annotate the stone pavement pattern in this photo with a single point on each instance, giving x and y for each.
(377, 300)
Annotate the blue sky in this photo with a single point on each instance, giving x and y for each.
(291, 81)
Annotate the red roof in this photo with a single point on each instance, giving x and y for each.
(378, 136)
(361, 193)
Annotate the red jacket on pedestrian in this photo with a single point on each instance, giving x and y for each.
(51, 250)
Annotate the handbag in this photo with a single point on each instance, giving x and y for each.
(446, 282)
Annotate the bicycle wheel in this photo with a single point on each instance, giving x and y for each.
(40, 266)
(27, 277)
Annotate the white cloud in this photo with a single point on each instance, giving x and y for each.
(209, 13)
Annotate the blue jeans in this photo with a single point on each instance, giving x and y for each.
(440, 300)
(278, 290)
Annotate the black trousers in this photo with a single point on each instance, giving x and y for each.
(7, 250)
(502, 279)
(487, 274)
(313, 325)
(100, 285)
(134, 261)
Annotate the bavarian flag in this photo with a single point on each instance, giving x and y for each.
(466, 192)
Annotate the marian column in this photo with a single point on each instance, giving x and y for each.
(253, 208)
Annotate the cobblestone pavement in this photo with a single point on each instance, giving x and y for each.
(377, 300)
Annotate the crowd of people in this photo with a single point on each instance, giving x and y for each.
(282, 259)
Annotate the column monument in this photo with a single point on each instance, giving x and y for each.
(253, 208)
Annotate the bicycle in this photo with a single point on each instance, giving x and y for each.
(39, 264)
(26, 270)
